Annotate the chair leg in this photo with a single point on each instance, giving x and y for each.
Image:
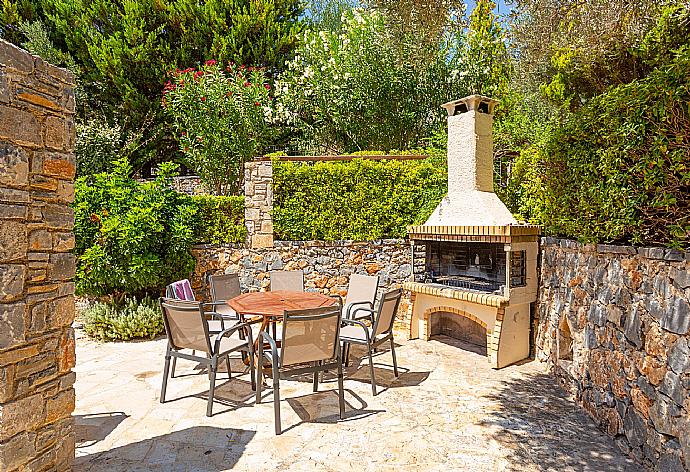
(371, 370)
(316, 378)
(227, 364)
(259, 374)
(174, 363)
(276, 396)
(252, 373)
(341, 390)
(395, 362)
(212, 369)
(166, 371)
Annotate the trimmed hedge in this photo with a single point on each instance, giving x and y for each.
(359, 199)
(220, 220)
(619, 169)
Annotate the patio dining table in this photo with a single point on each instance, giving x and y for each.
(270, 306)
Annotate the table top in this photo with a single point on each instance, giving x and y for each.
(275, 303)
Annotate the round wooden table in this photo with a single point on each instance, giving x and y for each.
(272, 305)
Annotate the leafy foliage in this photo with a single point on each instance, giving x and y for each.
(98, 147)
(220, 220)
(125, 49)
(364, 89)
(131, 237)
(126, 319)
(618, 169)
(359, 199)
(221, 120)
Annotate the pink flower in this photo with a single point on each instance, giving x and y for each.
(268, 87)
(210, 62)
(203, 99)
(256, 104)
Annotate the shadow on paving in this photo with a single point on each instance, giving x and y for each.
(542, 428)
(202, 448)
(95, 427)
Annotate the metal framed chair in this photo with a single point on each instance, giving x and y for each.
(356, 332)
(310, 345)
(361, 293)
(187, 327)
(292, 280)
(182, 290)
(223, 288)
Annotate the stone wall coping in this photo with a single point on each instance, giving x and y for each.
(658, 253)
(14, 57)
(312, 243)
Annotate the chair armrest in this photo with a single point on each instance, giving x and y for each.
(271, 342)
(351, 308)
(216, 302)
(361, 325)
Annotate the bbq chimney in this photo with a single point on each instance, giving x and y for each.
(471, 200)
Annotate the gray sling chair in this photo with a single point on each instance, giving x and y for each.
(356, 332)
(290, 280)
(223, 288)
(186, 326)
(359, 302)
(310, 345)
(216, 323)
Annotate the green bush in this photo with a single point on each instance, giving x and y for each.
(131, 237)
(220, 220)
(618, 170)
(128, 319)
(359, 199)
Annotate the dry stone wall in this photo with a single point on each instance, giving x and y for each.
(36, 267)
(327, 266)
(614, 321)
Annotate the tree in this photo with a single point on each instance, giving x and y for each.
(364, 89)
(221, 120)
(126, 48)
(487, 64)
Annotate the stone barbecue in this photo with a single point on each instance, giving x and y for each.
(480, 264)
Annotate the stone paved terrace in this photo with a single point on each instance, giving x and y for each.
(447, 411)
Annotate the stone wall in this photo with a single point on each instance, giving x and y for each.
(614, 321)
(36, 267)
(258, 203)
(326, 265)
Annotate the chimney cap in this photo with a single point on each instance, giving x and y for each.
(479, 103)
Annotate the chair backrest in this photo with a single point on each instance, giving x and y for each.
(362, 288)
(185, 324)
(388, 308)
(224, 287)
(310, 335)
(180, 290)
(292, 280)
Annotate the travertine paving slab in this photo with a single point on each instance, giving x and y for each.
(447, 411)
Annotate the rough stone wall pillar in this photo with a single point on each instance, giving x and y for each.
(37, 170)
(258, 203)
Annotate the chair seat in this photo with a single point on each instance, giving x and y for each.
(354, 333)
(226, 312)
(216, 326)
(228, 344)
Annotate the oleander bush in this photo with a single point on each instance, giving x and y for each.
(219, 219)
(124, 319)
(359, 199)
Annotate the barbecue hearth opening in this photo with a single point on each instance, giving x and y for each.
(460, 328)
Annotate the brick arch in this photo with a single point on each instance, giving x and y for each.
(455, 311)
